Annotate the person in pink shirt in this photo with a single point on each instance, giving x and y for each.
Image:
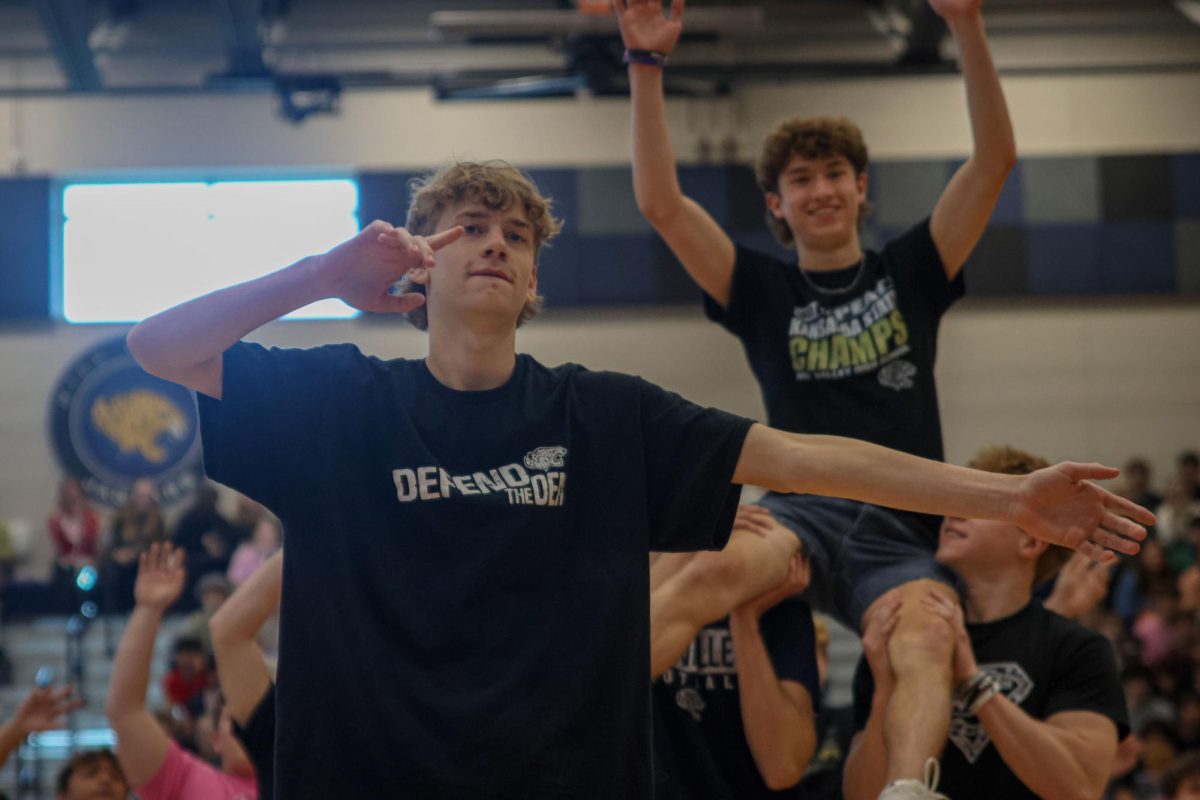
(251, 555)
(154, 764)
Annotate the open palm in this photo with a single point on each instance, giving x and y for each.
(44, 709)
(1060, 505)
(160, 576)
(644, 26)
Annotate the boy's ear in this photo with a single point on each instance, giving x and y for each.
(775, 205)
(531, 295)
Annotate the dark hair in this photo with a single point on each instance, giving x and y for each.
(187, 644)
(1188, 458)
(84, 759)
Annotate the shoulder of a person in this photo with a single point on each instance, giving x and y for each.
(748, 256)
(1067, 635)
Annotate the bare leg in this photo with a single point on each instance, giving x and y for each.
(921, 650)
(712, 584)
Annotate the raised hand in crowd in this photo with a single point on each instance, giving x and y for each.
(1080, 586)
(42, 709)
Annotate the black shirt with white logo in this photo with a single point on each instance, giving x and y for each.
(848, 353)
(1045, 664)
(465, 597)
(700, 746)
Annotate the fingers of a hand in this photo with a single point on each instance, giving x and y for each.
(1095, 552)
(619, 6)
(378, 226)
(426, 251)
(1128, 508)
(1089, 472)
(1111, 541)
(1122, 526)
(676, 10)
(442, 238)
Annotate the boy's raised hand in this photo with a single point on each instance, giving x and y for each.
(644, 26)
(361, 270)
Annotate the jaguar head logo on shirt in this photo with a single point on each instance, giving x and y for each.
(544, 458)
(898, 375)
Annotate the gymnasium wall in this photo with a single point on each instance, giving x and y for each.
(1089, 378)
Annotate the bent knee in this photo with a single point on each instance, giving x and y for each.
(922, 639)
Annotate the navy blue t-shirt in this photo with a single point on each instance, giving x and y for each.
(465, 599)
(700, 746)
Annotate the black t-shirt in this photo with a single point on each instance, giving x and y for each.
(700, 746)
(823, 778)
(856, 360)
(465, 598)
(1045, 664)
(258, 737)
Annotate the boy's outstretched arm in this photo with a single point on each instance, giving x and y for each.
(705, 251)
(1058, 504)
(234, 628)
(962, 213)
(142, 744)
(184, 344)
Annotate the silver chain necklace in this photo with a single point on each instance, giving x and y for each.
(858, 276)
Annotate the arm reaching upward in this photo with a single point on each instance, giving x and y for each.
(184, 344)
(962, 213)
(706, 252)
(240, 664)
(142, 745)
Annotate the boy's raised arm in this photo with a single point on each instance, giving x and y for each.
(966, 204)
(184, 344)
(705, 250)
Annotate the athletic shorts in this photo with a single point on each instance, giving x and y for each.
(858, 551)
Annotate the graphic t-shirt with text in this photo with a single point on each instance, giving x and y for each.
(855, 360)
(465, 598)
(700, 746)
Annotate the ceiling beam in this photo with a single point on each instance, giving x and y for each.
(66, 24)
(241, 30)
